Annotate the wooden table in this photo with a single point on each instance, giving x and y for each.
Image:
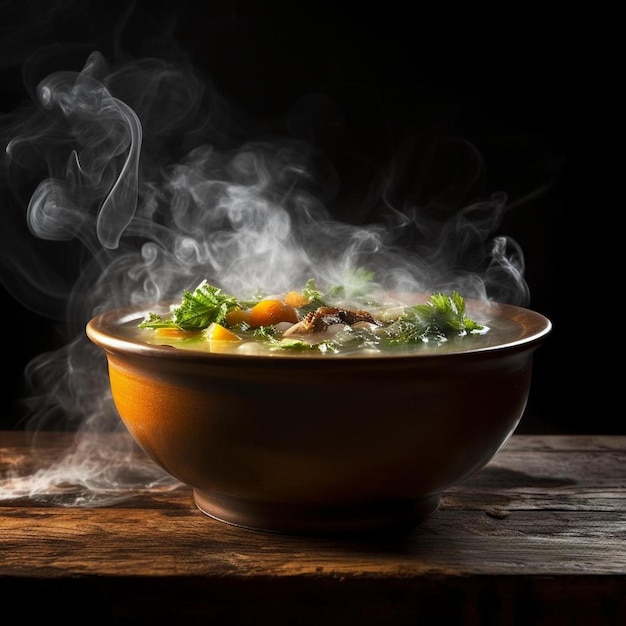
(537, 537)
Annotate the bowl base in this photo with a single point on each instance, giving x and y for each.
(297, 519)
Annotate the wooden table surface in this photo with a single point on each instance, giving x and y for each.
(537, 537)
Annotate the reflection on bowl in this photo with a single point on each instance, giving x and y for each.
(321, 444)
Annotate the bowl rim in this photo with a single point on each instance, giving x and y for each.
(534, 329)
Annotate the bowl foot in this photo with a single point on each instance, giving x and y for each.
(315, 520)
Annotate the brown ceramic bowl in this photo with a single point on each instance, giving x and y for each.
(323, 444)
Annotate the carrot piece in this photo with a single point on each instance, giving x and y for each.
(268, 312)
(238, 316)
(295, 298)
(217, 332)
(173, 332)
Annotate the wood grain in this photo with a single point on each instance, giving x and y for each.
(538, 535)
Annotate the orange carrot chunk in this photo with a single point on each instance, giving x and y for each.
(217, 332)
(173, 332)
(238, 316)
(269, 312)
(295, 298)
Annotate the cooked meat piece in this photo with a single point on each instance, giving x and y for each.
(325, 316)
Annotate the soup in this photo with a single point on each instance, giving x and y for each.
(312, 324)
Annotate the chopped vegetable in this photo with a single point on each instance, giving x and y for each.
(270, 312)
(296, 299)
(436, 319)
(198, 309)
(172, 332)
(217, 332)
(238, 317)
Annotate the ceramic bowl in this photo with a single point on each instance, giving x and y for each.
(323, 444)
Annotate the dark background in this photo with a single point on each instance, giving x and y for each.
(535, 95)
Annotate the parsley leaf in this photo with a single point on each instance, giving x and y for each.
(441, 316)
(198, 309)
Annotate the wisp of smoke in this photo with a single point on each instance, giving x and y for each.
(149, 186)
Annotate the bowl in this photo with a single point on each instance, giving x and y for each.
(323, 444)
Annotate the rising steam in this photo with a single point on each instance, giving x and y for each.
(150, 183)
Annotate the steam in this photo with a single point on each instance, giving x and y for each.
(106, 129)
(151, 183)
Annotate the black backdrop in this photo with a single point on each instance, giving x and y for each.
(533, 98)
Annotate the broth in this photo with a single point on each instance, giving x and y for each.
(499, 330)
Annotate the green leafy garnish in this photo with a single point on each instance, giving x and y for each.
(198, 309)
(438, 318)
(314, 296)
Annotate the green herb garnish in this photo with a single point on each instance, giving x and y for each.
(435, 320)
(198, 309)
